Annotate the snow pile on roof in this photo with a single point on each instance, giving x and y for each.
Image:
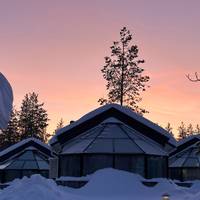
(122, 109)
(6, 100)
(107, 184)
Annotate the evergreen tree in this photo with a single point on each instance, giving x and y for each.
(33, 118)
(197, 129)
(60, 125)
(123, 74)
(10, 135)
(190, 130)
(169, 128)
(182, 131)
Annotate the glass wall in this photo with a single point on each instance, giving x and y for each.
(10, 175)
(92, 163)
(131, 163)
(156, 167)
(70, 165)
(83, 164)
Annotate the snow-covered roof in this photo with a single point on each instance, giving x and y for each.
(126, 111)
(187, 153)
(188, 157)
(26, 144)
(113, 136)
(29, 159)
(185, 143)
(189, 138)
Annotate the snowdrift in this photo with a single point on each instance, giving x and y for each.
(103, 185)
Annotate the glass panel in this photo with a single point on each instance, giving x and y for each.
(190, 174)
(77, 146)
(132, 163)
(113, 131)
(157, 167)
(29, 173)
(91, 133)
(16, 165)
(28, 155)
(191, 162)
(39, 157)
(101, 146)
(126, 146)
(30, 165)
(10, 175)
(91, 163)
(70, 165)
(44, 173)
(175, 173)
(43, 165)
(177, 163)
(150, 148)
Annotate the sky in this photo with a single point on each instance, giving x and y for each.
(57, 49)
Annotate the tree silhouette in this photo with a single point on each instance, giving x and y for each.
(195, 79)
(33, 118)
(123, 74)
(169, 128)
(10, 135)
(60, 125)
(182, 131)
(190, 130)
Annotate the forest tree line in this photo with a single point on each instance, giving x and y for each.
(30, 121)
(184, 130)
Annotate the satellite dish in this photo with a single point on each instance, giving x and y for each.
(6, 100)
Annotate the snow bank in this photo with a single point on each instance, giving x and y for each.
(106, 184)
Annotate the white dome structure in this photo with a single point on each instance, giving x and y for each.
(6, 100)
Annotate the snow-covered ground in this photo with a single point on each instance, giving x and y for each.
(107, 184)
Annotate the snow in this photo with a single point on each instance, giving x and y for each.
(106, 184)
(122, 109)
(6, 100)
(15, 146)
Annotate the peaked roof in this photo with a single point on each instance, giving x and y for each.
(28, 159)
(186, 143)
(123, 114)
(115, 137)
(24, 144)
(187, 153)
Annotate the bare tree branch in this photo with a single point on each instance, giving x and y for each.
(195, 79)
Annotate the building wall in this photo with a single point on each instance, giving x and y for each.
(83, 164)
(184, 174)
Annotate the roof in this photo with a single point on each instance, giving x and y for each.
(185, 143)
(188, 158)
(124, 114)
(113, 137)
(28, 159)
(24, 144)
(187, 153)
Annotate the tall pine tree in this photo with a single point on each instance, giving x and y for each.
(33, 118)
(182, 131)
(169, 128)
(123, 74)
(197, 129)
(190, 130)
(60, 125)
(10, 135)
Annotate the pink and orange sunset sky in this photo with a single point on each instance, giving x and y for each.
(57, 49)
